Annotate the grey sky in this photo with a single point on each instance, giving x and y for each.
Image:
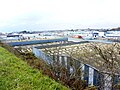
(17, 15)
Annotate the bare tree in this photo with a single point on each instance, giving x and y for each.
(105, 57)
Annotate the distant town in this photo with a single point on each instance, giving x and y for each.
(72, 35)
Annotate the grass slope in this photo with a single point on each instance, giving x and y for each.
(15, 74)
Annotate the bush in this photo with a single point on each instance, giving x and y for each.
(91, 88)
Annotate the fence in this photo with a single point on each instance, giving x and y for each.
(42, 55)
(21, 43)
(88, 73)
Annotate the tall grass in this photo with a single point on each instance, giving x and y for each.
(15, 74)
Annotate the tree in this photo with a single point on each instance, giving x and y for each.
(105, 57)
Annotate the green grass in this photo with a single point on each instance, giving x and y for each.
(15, 74)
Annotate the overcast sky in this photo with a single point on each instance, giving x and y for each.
(33, 15)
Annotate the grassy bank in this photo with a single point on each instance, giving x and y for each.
(15, 74)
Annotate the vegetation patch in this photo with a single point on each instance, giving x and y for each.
(15, 74)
